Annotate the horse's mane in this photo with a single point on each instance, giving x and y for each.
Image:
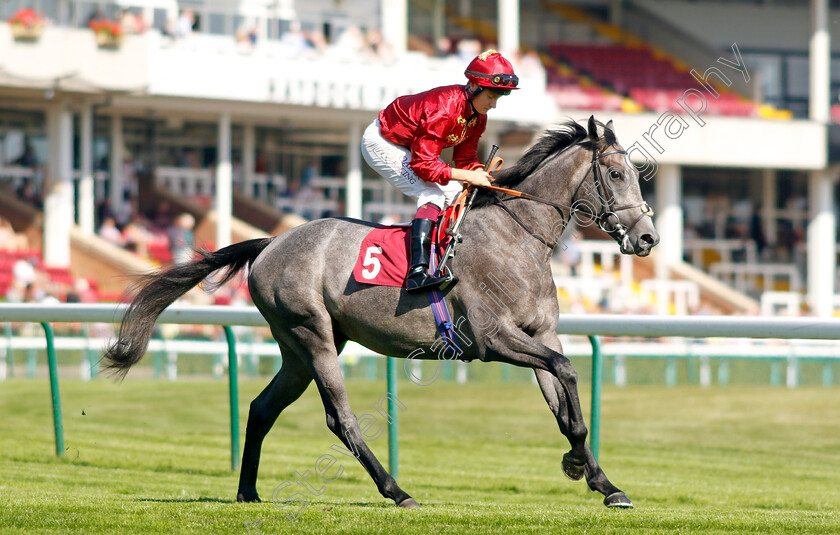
(552, 142)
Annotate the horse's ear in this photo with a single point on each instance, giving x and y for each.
(593, 129)
(609, 134)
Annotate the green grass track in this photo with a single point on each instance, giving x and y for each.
(154, 457)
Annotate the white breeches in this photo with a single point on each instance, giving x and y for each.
(391, 162)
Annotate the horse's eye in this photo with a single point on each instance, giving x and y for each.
(615, 174)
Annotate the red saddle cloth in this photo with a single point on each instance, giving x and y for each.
(384, 254)
(383, 257)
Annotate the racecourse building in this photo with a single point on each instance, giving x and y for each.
(241, 112)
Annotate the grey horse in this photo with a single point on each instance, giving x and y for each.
(504, 308)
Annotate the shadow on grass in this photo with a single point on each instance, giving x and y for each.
(376, 505)
(201, 499)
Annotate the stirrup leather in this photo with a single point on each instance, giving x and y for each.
(418, 279)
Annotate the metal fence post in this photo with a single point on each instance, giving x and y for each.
(828, 373)
(595, 419)
(233, 387)
(393, 433)
(10, 356)
(56, 396)
(31, 363)
(89, 358)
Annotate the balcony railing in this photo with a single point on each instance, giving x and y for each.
(215, 67)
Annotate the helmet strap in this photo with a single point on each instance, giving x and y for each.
(473, 94)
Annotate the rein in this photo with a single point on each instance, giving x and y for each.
(616, 229)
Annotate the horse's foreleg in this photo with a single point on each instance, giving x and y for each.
(558, 380)
(543, 352)
(555, 396)
(286, 387)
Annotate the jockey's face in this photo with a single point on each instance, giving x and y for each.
(485, 101)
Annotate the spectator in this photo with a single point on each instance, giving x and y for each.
(24, 272)
(181, 239)
(528, 63)
(161, 216)
(11, 240)
(186, 22)
(317, 40)
(243, 40)
(443, 47)
(124, 213)
(570, 253)
(351, 45)
(35, 293)
(468, 49)
(110, 233)
(104, 211)
(81, 292)
(29, 193)
(27, 158)
(131, 22)
(136, 235)
(757, 232)
(295, 40)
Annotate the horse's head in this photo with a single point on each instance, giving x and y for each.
(609, 193)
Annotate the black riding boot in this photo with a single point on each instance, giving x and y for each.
(418, 279)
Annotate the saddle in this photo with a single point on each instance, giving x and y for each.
(384, 254)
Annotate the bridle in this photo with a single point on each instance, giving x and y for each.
(607, 218)
(614, 228)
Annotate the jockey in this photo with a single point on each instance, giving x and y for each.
(404, 145)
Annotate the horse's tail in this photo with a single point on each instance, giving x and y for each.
(160, 289)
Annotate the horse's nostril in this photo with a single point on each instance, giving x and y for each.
(648, 239)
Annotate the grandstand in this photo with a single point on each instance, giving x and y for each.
(247, 116)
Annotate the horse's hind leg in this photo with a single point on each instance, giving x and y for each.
(342, 422)
(555, 396)
(313, 340)
(286, 387)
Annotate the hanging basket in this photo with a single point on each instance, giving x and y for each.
(21, 32)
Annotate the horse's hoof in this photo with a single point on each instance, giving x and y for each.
(572, 470)
(409, 503)
(250, 498)
(618, 500)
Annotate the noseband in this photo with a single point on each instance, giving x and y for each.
(613, 228)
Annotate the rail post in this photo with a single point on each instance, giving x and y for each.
(56, 396)
(595, 418)
(10, 356)
(393, 433)
(233, 387)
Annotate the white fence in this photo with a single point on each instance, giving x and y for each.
(797, 330)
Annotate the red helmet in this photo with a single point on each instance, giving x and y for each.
(491, 70)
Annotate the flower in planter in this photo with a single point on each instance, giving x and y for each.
(108, 32)
(27, 18)
(27, 24)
